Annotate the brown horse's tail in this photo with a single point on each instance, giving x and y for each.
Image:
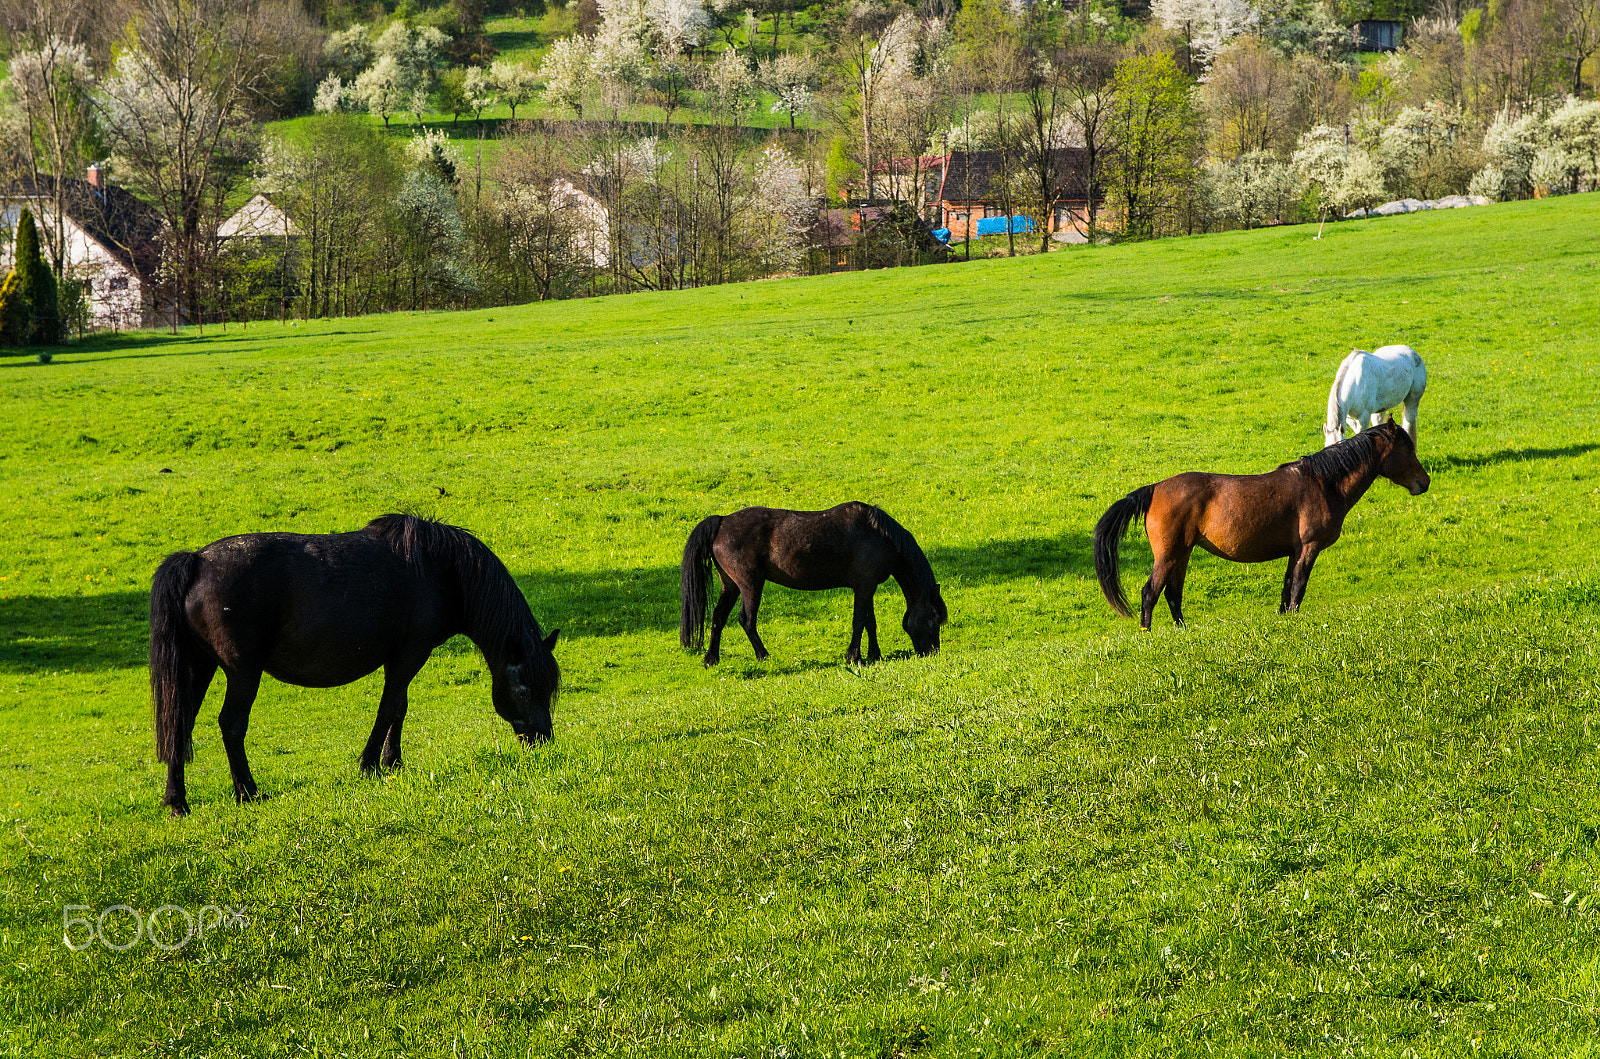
(1108, 534)
(172, 662)
(696, 582)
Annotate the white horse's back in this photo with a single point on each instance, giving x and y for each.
(1369, 384)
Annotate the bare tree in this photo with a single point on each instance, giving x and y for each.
(1088, 72)
(1579, 22)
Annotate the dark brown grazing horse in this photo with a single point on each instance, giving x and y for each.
(320, 610)
(1294, 512)
(854, 545)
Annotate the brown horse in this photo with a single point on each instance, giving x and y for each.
(1295, 511)
(854, 545)
(319, 610)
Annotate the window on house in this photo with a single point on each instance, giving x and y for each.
(119, 283)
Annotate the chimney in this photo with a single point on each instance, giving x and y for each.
(94, 175)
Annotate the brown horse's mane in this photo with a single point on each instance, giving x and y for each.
(1350, 455)
(497, 614)
(905, 546)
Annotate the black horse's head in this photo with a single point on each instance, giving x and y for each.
(1400, 464)
(525, 688)
(923, 619)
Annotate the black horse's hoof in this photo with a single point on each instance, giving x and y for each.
(710, 660)
(248, 796)
(180, 809)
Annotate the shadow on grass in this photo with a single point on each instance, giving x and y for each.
(110, 630)
(615, 602)
(107, 630)
(1516, 456)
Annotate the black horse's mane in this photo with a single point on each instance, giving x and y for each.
(1349, 455)
(905, 545)
(497, 614)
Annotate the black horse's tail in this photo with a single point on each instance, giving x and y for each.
(1108, 533)
(697, 563)
(172, 649)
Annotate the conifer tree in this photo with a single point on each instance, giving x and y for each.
(36, 284)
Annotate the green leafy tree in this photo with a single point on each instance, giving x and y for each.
(1155, 125)
(30, 315)
(13, 312)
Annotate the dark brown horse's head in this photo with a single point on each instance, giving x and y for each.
(525, 688)
(1399, 464)
(923, 619)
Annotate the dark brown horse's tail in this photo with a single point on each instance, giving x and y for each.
(172, 649)
(1108, 534)
(697, 563)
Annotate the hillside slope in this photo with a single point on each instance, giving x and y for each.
(1368, 826)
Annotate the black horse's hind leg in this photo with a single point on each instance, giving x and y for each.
(177, 798)
(234, 720)
(383, 745)
(1296, 578)
(864, 618)
(750, 605)
(719, 618)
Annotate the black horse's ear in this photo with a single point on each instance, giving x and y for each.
(550, 641)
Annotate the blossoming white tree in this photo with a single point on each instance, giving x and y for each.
(568, 74)
(1208, 24)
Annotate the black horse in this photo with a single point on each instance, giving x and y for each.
(854, 545)
(319, 610)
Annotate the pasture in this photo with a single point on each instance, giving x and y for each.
(1369, 827)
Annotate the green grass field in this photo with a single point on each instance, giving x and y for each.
(1368, 828)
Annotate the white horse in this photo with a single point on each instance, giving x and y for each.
(1369, 384)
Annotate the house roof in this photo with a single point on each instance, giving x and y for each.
(126, 226)
(973, 176)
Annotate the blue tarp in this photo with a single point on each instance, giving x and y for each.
(997, 225)
(942, 234)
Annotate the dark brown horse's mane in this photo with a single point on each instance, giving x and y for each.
(905, 545)
(1348, 456)
(497, 614)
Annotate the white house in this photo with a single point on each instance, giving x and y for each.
(112, 243)
(260, 218)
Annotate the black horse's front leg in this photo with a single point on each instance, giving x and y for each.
(234, 720)
(863, 619)
(383, 745)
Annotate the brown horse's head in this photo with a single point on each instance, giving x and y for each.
(1399, 464)
(525, 687)
(922, 621)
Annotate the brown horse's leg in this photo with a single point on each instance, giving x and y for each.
(234, 720)
(749, 606)
(719, 618)
(1176, 571)
(177, 798)
(385, 737)
(1296, 577)
(863, 618)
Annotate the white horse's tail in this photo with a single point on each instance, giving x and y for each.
(1335, 420)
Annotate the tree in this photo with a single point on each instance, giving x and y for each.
(543, 230)
(1044, 113)
(1248, 94)
(1154, 124)
(568, 74)
(52, 89)
(348, 51)
(514, 83)
(432, 237)
(792, 78)
(1088, 72)
(29, 309)
(1253, 189)
(177, 117)
(453, 93)
(1579, 22)
(384, 89)
(1206, 25)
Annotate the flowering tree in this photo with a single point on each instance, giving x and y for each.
(348, 51)
(52, 88)
(384, 89)
(1207, 25)
(514, 84)
(1510, 145)
(331, 95)
(792, 78)
(785, 208)
(568, 74)
(1253, 189)
(677, 25)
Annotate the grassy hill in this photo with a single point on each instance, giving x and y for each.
(1369, 827)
